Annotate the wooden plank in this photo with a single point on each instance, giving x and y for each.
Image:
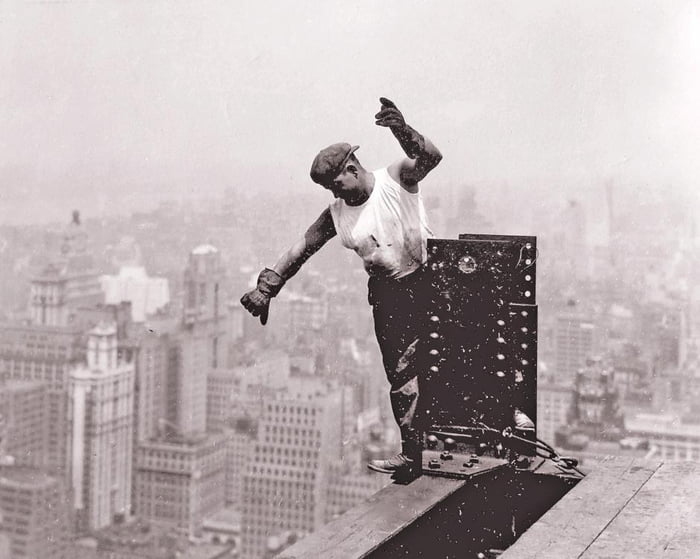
(661, 520)
(569, 527)
(362, 529)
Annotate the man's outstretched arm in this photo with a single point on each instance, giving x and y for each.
(422, 154)
(321, 231)
(271, 280)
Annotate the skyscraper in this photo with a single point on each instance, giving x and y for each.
(101, 433)
(67, 282)
(202, 343)
(286, 487)
(51, 345)
(24, 407)
(574, 343)
(46, 354)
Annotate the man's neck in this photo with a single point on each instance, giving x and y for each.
(367, 186)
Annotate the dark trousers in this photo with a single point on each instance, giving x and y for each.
(399, 308)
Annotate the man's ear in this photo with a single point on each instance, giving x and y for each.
(351, 169)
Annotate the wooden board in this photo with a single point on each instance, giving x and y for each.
(661, 520)
(362, 529)
(570, 526)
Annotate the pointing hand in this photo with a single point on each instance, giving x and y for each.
(389, 115)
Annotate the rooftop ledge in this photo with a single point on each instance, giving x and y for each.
(624, 507)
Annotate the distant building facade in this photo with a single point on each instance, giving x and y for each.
(34, 520)
(286, 487)
(101, 432)
(180, 481)
(574, 343)
(24, 406)
(47, 354)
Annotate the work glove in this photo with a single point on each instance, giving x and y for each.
(411, 141)
(257, 301)
(389, 115)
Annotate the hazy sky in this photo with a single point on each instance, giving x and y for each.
(130, 101)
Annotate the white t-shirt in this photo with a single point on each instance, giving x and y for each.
(389, 230)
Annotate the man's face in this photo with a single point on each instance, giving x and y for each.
(345, 185)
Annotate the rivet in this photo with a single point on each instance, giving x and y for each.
(434, 335)
(434, 369)
(500, 357)
(501, 322)
(500, 374)
(434, 318)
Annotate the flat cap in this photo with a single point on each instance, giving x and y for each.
(330, 162)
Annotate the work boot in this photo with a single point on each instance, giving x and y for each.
(525, 428)
(522, 421)
(396, 464)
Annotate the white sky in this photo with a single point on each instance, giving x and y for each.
(121, 98)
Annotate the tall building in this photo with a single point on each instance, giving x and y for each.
(24, 407)
(224, 389)
(151, 350)
(574, 343)
(575, 248)
(286, 487)
(202, 343)
(67, 282)
(240, 452)
(34, 516)
(51, 345)
(101, 434)
(180, 480)
(554, 403)
(46, 354)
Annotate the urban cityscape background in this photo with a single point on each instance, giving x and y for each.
(153, 158)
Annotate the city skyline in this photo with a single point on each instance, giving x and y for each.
(154, 156)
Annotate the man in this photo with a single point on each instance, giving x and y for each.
(379, 215)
